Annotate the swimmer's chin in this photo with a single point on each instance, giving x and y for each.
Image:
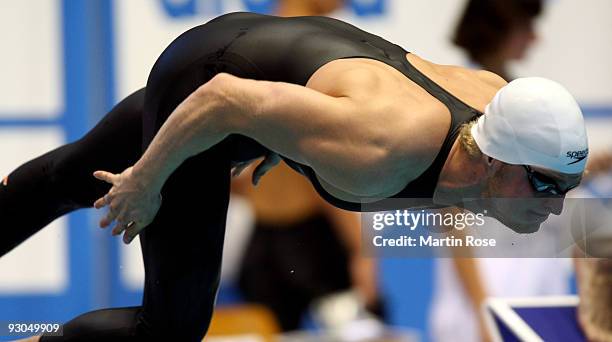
(526, 229)
(522, 227)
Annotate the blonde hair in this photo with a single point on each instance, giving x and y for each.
(467, 142)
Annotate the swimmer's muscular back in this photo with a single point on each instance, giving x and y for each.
(392, 113)
(413, 123)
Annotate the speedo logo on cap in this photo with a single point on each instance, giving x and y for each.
(577, 155)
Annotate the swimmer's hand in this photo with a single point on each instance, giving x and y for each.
(131, 204)
(271, 160)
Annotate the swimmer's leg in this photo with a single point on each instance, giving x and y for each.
(182, 249)
(61, 181)
(116, 324)
(182, 252)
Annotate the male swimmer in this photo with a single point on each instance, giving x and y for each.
(359, 116)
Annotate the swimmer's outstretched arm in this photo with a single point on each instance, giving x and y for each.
(289, 119)
(323, 131)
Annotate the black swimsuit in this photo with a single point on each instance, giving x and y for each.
(182, 248)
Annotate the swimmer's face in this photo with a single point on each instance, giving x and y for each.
(517, 202)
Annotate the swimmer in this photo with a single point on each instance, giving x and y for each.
(360, 117)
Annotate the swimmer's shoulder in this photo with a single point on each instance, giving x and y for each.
(353, 77)
(474, 87)
(466, 75)
(490, 78)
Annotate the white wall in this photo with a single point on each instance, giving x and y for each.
(31, 87)
(30, 63)
(574, 48)
(39, 265)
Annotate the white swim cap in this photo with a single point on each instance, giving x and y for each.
(534, 121)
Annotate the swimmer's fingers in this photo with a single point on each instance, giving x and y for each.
(271, 160)
(133, 228)
(122, 225)
(100, 203)
(134, 219)
(108, 219)
(106, 176)
(237, 170)
(119, 226)
(130, 229)
(110, 216)
(104, 200)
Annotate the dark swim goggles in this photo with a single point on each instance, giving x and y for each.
(544, 184)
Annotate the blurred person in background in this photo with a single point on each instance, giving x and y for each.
(494, 33)
(295, 8)
(594, 282)
(310, 248)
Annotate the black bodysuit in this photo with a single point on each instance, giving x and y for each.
(182, 248)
